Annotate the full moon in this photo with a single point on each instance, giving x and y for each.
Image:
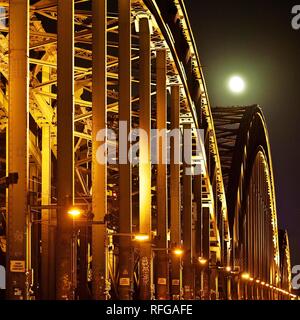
(236, 84)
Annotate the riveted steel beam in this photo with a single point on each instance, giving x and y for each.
(145, 159)
(175, 195)
(125, 171)
(18, 250)
(99, 162)
(65, 282)
(162, 273)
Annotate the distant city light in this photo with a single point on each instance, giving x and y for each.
(236, 84)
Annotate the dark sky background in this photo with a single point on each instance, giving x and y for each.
(254, 38)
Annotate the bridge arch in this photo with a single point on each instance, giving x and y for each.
(138, 60)
(247, 170)
(285, 260)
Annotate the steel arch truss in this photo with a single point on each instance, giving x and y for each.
(247, 171)
(85, 66)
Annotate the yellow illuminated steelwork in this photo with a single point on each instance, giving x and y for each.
(93, 179)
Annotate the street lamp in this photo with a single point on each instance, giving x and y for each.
(228, 269)
(202, 261)
(141, 237)
(245, 276)
(178, 252)
(74, 212)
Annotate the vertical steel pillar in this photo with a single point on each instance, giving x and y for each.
(228, 287)
(52, 257)
(99, 170)
(188, 269)
(175, 195)
(18, 261)
(145, 159)
(34, 243)
(206, 252)
(46, 263)
(46, 200)
(197, 186)
(161, 187)
(126, 255)
(65, 147)
(83, 289)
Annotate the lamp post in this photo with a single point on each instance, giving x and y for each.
(203, 264)
(76, 213)
(177, 252)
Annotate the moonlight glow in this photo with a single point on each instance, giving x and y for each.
(236, 84)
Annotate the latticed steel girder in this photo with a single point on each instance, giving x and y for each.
(169, 85)
(248, 177)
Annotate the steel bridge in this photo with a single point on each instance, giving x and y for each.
(70, 68)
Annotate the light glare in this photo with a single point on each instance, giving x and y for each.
(178, 252)
(245, 276)
(74, 212)
(202, 261)
(141, 237)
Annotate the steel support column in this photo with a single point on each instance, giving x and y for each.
(65, 147)
(197, 187)
(46, 263)
(206, 252)
(125, 175)
(99, 162)
(161, 187)
(83, 289)
(145, 159)
(18, 260)
(175, 195)
(46, 200)
(188, 268)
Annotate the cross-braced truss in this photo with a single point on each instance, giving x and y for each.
(112, 61)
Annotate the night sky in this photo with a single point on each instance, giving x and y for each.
(255, 40)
